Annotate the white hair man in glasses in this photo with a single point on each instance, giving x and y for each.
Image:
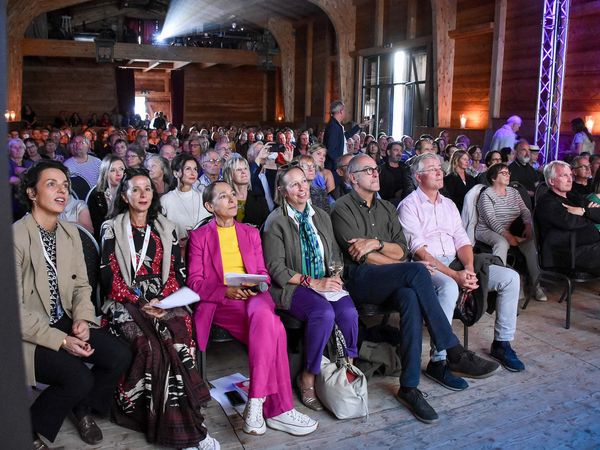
(436, 236)
(375, 254)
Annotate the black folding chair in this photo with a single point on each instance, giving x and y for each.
(91, 254)
(568, 275)
(80, 187)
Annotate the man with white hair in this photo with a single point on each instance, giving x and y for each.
(560, 211)
(436, 236)
(506, 135)
(81, 163)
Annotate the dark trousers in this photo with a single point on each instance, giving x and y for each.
(71, 383)
(407, 288)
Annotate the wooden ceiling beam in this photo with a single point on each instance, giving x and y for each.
(60, 48)
(152, 65)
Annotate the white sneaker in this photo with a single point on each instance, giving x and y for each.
(540, 295)
(293, 422)
(254, 422)
(209, 443)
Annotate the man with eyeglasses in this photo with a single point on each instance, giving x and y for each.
(376, 272)
(560, 211)
(582, 184)
(395, 178)
(211, 165)
(436, 236)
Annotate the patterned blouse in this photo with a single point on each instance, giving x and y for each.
(49, 242)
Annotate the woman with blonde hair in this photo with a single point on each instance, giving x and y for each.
(458, 182)
(252, 207)
(101, 197)
(324, 176)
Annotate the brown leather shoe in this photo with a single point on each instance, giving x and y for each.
(88, 430)
(38, 444)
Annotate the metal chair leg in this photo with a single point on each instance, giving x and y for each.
(569, 292)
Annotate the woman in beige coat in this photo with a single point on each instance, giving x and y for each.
(58, 322)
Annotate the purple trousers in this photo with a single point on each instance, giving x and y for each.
(319, 316)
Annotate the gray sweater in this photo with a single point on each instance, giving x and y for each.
(281, 249)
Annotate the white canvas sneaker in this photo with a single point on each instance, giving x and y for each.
(293, 422)
(209, 443)
(254, 422)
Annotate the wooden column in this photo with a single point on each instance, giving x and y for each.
(444, 20)
(342, 14)
(283, 32)
(379, 15)
(19, 17)
(411, 18)
(309, 69)
(265, 96)
(497, 60)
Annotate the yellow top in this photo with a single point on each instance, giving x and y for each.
(230, 251)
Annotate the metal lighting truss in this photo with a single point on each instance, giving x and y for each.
(552, 69)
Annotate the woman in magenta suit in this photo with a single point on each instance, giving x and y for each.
(222, 246)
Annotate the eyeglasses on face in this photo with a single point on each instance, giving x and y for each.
(308, 166)
(504, 172)
(214, 162)
(431, 170)
(369, 170)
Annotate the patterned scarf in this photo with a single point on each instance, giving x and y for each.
(312, 261)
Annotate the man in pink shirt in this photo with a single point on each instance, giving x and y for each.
(435, 234)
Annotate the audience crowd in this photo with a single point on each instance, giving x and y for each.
(333, 220)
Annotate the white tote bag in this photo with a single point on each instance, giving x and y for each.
(341, 386)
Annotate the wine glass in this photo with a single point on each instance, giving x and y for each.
(336, 268)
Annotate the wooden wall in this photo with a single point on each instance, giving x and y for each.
(300, 74)
(472, 64)
(224, 94)
(581, 94)
(53, 85)
(521, 63)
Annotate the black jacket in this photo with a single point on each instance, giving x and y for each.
(334, 139)
(455, 189)
(395, 183)
(555, 222)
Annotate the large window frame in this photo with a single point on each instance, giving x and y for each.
(395, 89)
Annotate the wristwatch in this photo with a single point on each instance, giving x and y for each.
(381, 244)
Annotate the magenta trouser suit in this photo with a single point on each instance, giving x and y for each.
(251, 321)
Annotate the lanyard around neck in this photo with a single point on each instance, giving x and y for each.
(135, 263)
(47, 256)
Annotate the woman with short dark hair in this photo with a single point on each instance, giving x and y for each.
(504, 221)
(162, 393)
(58, 320)
(225, 246)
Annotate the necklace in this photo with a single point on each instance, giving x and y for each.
(193, 216)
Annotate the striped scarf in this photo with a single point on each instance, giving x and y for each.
(312, 261)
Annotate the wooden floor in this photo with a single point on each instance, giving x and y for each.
(555, 403)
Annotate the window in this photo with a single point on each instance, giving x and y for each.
(394, 91)
(140, 106)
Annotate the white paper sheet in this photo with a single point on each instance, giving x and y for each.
(236, 279)
(226, 384)
(332, 296)
(181, 297)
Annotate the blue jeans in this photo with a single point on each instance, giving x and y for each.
(407, 288)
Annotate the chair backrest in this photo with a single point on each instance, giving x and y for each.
(523, 193)
(91, 255)
(540, 190)
(80, 186)
(87, 197)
